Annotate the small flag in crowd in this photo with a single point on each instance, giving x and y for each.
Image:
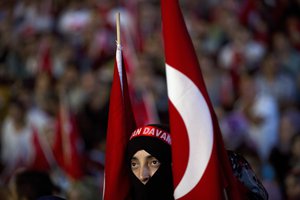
(67, 146)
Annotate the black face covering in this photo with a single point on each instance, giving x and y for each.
(160, 185)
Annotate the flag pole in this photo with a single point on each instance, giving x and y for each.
(118, 28)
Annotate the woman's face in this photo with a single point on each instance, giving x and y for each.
(144, 165)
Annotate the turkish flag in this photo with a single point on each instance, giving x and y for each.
(201, 168)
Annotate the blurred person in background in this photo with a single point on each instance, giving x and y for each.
(295, 153)
(288, 57)
(93, 118)
(275, 81)
(16, 136)
(86, 189)
(92, 115)
(5, 193)
(70, 82)
(292, 178)
(32, 185)
(292, 185)
(261, 113)
(281, 154)
(42, 116)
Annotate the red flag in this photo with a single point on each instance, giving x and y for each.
(42, 158)
(67, 144)
(120, 125)
(201, 168)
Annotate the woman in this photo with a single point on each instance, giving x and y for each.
(149, 159)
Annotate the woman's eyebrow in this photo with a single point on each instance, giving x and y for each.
(151, 157)
(134, 158)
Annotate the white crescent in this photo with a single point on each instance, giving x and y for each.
(190, 103)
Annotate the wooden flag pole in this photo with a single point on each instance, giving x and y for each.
(118, 28)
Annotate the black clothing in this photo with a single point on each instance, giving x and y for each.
(160, 185)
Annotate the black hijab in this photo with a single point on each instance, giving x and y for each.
(160, 185)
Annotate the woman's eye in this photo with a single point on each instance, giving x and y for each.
(155, 163)
(134, 165)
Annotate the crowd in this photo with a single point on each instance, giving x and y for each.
(248, 50)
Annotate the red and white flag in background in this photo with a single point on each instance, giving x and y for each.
(67, 147)
(201, 168)
(121, 123)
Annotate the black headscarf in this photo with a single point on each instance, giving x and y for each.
(160, 185)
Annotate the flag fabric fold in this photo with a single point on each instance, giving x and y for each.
(120, 125)
(201, 168)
